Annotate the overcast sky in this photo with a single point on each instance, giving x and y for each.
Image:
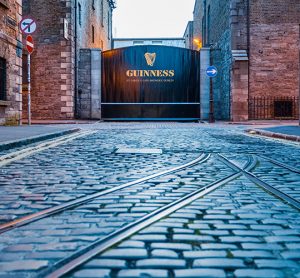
(151, 18)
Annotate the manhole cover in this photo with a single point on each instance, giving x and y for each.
(138, 151)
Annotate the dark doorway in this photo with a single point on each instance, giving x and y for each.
(2, 79)
(283, 109)
(151, 82)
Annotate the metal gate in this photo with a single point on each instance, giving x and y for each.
(270, 108)
(150, 83)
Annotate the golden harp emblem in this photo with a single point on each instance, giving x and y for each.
(150, 58)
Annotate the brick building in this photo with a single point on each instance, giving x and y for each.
(255, 45)
(64, 28)
(10, 62)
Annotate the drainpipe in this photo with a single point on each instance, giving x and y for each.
(76, 61)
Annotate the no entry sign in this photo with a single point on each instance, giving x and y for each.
(29, 44)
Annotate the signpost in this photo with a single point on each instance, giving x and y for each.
(30, 47)
(211, 72)
(28, 26)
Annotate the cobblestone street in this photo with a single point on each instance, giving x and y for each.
(105, 202)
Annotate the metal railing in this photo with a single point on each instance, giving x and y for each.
(271, 108)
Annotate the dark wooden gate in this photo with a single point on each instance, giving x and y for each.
(150, 83)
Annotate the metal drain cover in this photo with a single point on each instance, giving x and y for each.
(138, 151)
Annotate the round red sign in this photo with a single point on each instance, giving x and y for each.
(29, 44)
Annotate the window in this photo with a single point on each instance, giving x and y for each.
(108, 29)
(138, 42)
(203, 31)
(2, 79)
(79, 14)
(4, 3)
(157, 42)
(102, 15)
(93, 34)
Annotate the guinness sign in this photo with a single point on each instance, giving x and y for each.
(150, 58)
(150, 82)
(150, 73)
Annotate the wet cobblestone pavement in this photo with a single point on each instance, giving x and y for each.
(237, 229)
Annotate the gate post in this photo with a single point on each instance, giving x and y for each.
(204, 83)
(89, 84)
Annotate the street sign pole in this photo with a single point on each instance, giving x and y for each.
(30, 47)
(211, 72)
(29, 91)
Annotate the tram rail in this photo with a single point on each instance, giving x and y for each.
(79, 201)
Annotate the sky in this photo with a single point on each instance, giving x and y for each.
(151, 18)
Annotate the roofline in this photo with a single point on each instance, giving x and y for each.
(187, 26)
(147, 39)
(195, 6)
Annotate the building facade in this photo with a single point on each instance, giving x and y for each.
(10, 62)
(189, 36)
(64, 27)
(255, 46)
(126, 42)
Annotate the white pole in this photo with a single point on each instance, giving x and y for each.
(29, 92)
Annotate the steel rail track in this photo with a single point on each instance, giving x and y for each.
(18, 155)
(271, 189)
(80, 257)
(79, 201)
(281, 164)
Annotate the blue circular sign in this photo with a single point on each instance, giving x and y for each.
(212, 71)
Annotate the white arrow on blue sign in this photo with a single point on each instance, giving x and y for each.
(28, 25)
(212, 71)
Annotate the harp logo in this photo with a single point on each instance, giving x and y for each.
(150, 58)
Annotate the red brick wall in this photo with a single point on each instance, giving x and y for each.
(53, 61)
(274, 48)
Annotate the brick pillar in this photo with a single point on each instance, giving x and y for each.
(239, 91)
(89, 84)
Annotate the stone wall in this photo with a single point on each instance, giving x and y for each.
(11, 51)
(189, 35)
(212, 25)
(197, 21)
(89, 84)
(101, 20)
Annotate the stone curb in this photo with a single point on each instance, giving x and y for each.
(274, 135)
(34, 139)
